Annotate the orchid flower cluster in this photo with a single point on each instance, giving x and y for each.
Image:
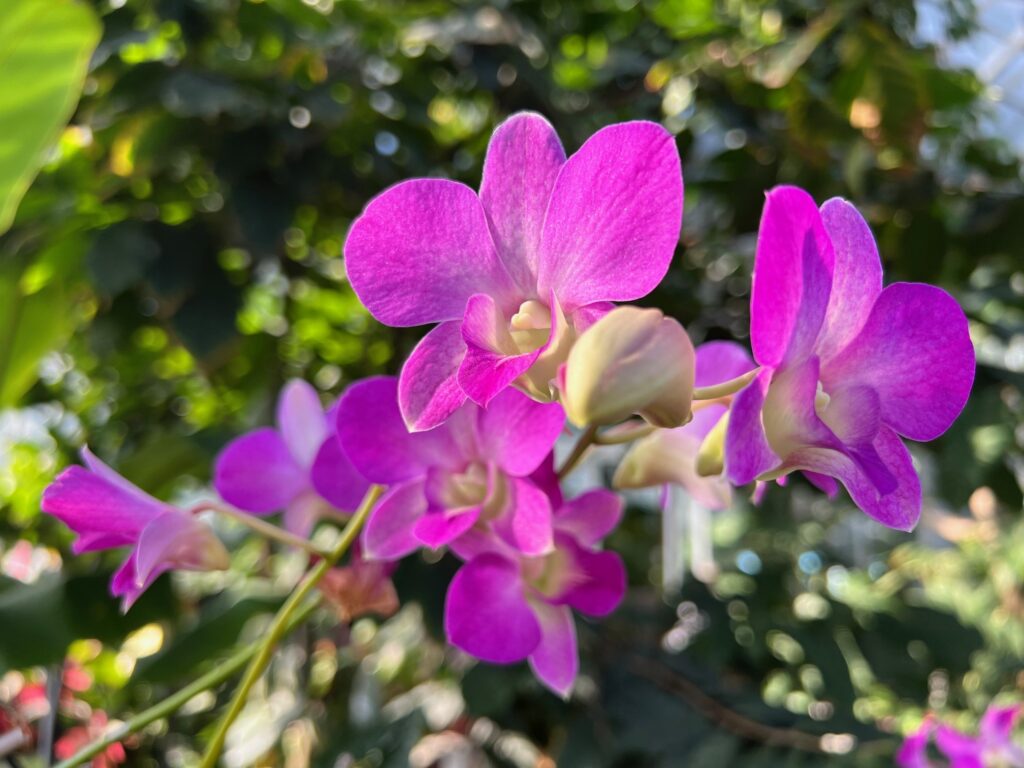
(993, 746)
(526, 284)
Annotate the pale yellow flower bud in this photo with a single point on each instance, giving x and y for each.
(631, 361)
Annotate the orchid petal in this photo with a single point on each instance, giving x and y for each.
(486, 614)
(614, 218)
(522, 163)
(916, 353)
(518, 433)
(374, 436)
(256, 472)
(492, 361)
(123, 584)
(176, 539)
(914, 751)
(555, 660)
(585, 316)
(590, 517)
(388, 534)
(420, 250)
(857, 279)
(545, 477)
(335, 478)
(792, 277)
(301, 421)
(437, 528)
(827, 485)
(527, 525)
(747, 452)
(962, 750)
(302, 514)
(720, 361)
(428, 387)
(899, 508)
(104, 514)
(596, 582)
(998, 722)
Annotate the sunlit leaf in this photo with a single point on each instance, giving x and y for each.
(44, 50)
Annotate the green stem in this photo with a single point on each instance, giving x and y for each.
(172, 703)
(261, 527)
(726, 388)
(625, 435)
(265, 651)
(586, 440)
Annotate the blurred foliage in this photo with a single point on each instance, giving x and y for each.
(179, 257)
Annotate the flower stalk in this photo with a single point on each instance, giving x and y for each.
(221, 672)
(262, 527)
(281, 622)
(726, 388)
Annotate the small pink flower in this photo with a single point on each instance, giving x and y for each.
(993, 746)
(513, 274)
(503, 606)
(471, 472)
(107, 511)
(913, 753)
(298, 467)
(78, 737)
(847, 366)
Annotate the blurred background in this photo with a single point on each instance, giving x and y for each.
(179, 257)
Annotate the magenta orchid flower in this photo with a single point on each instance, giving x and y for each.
(992, 746)
(504, 607)
(513, 274)
(847, 366)
(107, 511)
(669, 456)
(913, 753)
(298, 467)
(470, 472)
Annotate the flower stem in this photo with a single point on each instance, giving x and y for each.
(277, 630)
(726, 388)
(261, 527)
(586, 439)
(172, 703)
(625, 435)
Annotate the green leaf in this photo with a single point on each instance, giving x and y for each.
(45, 47)
(35, 316)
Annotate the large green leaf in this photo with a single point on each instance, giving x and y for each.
(45, 47)
(35, 315)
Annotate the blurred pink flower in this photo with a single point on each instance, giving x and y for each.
(107, 511)
(298, 467)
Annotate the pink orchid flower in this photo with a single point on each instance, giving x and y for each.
(993, 746)
(471, 471)
(513, 274)
(847, 366)
(913, 753)
(669, 456)
(298, 467)
(107, 511)
(503, 606)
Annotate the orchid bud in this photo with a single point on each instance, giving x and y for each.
(711, 455)
(630, 361)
